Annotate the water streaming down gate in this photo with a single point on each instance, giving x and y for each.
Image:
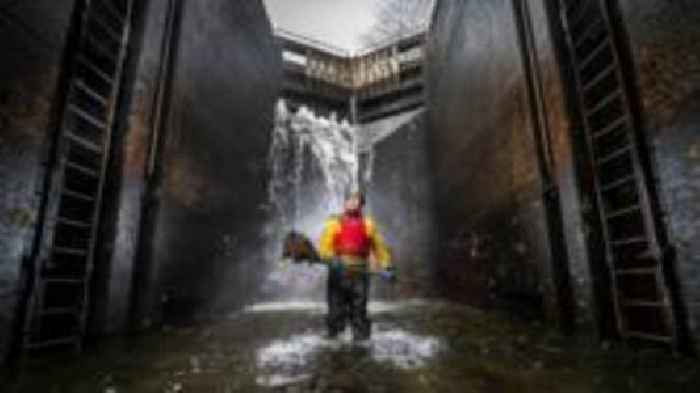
(314, 162)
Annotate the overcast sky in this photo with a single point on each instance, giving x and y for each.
(338, 22)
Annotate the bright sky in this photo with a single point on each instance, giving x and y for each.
(337, 22)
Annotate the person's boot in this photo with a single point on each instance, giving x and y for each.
(361, 336)
(361, 331)
(333, 333)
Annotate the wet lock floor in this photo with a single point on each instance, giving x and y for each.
(416, 346)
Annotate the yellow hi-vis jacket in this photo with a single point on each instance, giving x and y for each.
(379, 254)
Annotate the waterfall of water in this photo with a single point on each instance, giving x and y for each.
(314, 162)
(302, 142)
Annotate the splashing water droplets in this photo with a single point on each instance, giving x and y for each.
(314, 161)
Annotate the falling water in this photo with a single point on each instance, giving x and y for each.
(333, 146)
(314, 162)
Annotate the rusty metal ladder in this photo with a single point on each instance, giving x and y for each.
(57, 309)
(641, 294)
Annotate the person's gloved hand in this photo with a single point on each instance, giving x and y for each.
(389, 274)
(336, 266)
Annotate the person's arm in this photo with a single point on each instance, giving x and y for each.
(325, 244)
(379, 249)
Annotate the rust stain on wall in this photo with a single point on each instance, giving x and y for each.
(139, 129)
(25, 106)
(186, 184)
(669, 63)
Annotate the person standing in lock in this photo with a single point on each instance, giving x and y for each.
(348, 242)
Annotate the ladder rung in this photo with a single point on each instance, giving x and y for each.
(617, 183)
(637, 272)
(73, 223)
(648, 336)
(590, 29)
(101, 48)
(62, 280)
(631, 240)
(83, 142)
(82, 169)
(648, 253)
(53, 343)
(92, 93)
(77, 195)
(610, 128)
(623, 212)
(581, 12)
(88, 117)
(642, 303)
(113, 10)
(60, 311)
(107, 28)
(95, 69)
(599, 77)
(612, 156)
(595, 52)
(70, 251)
(605, 101)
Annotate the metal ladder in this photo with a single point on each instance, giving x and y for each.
(641, 296)
(57, 310)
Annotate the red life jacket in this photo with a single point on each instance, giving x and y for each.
(352, 239)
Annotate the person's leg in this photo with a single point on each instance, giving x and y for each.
(361, 324)
(337, 309)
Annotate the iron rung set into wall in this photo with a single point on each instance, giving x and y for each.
(640, 292)
(57, 310)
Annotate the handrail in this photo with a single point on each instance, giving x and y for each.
(346, 53)
(312, 42)
(392, 40)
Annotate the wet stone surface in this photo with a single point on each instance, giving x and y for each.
(416, 347)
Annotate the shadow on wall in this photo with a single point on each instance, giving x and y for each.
(208, 239)
(490, 219)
